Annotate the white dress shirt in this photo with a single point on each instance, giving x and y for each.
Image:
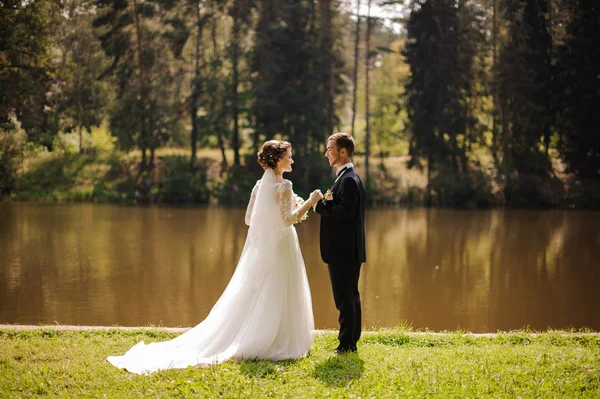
(338, 170)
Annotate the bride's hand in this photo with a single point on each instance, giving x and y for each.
(315, 196)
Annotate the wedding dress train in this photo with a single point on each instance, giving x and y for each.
(264, 313)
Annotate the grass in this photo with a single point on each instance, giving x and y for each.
(109, 175)
(390, 363)
(115, 177)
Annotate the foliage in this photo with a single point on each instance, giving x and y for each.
(389, 363)
(131, 36)
(441, 50)
(516, 79)
(295, 76)
(108, 177)
(235, 187)
(472, 190)
(584, 194)
(524, 81)
(533, 191)
(13, 141)
(578, 91)
(178, 184)
(388, 115)
(25, 70)
(101, 139)
(78, 99)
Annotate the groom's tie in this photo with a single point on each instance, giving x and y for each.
(340, 174)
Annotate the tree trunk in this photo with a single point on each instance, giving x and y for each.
(79, 117)
(152, 151)
(235, 137)
(549, 102)
(367, 71)
(494, 80)
(355, 75)
(330, 94)
(429, 166)
(196, 88)
(213, 104)
(142, 78)
(505, 135)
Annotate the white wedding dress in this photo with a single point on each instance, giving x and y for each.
(265, 311)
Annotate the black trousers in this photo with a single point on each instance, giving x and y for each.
(344, 282)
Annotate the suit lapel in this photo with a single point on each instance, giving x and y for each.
(339, 179)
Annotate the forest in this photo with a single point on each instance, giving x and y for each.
(452, 103)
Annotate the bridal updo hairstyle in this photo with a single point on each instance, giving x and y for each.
(343, 140)
(272, 151)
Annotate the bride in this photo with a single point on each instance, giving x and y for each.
(266, 311)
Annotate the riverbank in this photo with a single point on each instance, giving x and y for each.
(62, 361)
(115, 177)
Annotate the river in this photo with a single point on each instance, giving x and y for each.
(481, 270)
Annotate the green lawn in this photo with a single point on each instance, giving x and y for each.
(390, 363)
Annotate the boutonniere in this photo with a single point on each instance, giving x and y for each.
(328, 195)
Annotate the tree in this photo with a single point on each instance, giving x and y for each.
(25, 68)
(186, 21)
(355, 70)
(218, 85)
(368, 58)
(131, 35)
(579, 90)
(442, 47)
(80, 96)
(200, 19)
(289, 94)
(494, 83)
(388, 114)
(326, 39)
(296, 78)
(524, 82)
(240, 11)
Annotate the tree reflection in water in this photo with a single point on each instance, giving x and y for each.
(483, 270)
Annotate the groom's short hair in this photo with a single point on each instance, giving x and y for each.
(343, 140)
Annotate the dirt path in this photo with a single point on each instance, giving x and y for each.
(57, 327)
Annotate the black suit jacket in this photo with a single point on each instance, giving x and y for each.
(343, 221)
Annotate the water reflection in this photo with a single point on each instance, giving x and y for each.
(438, 269)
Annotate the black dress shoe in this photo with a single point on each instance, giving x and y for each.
(341, 350)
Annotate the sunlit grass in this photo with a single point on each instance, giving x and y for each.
(213, 154)
(100, 175)
(116, 176)
(390, 363)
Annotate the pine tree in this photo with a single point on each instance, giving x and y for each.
(80, 96)
(524, 84)
(441, 50)
(240, 12)
(355, 70)
(578, 90)
(25, 70)
(131, 36)
(292, 67)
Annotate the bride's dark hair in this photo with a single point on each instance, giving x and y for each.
(272, 151)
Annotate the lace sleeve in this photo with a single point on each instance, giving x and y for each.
(251, 203)
(289, 203)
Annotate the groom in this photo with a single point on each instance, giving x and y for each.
(342, 213)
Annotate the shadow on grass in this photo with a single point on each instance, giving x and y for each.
(263, 368)
(338, 371)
